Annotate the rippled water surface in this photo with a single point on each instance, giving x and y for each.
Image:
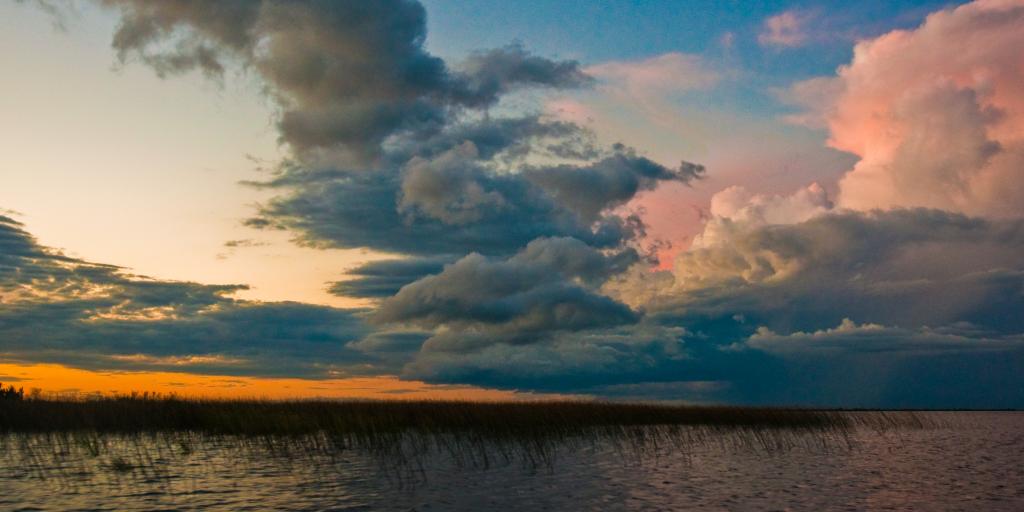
(974, 461)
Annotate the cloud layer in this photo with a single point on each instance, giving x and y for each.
(516, 259)
(61, 309)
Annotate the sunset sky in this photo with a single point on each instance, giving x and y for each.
(815, 203)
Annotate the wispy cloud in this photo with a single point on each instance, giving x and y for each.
(785, 30)
(662, 74)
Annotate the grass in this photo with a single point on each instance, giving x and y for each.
(405, 433)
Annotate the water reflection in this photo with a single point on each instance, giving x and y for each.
(976, 462)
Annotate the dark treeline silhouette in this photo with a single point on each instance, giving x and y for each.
(9, 393)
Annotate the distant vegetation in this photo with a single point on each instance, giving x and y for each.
(141, 413)
(478, 433)
(9, 393)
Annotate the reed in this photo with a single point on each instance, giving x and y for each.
(144, 413)
(405, 433)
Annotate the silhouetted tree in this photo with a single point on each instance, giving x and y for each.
(10, 393)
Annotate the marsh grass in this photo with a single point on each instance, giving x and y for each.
(143, 434)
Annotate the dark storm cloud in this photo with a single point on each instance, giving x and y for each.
(540, 289)
(398, 346)
(362, 210)
(70, 311)
(867, 309)
(505, 139)
(591, 189)
(384, 278)
(454, 203)
(348, 74)
(454, 189)
(16, 244)
(239, 338)
(920, 370)
(490, 312)
(370, 116)
(490, 74)
(553, 360)
(902, 268)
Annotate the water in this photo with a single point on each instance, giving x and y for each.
(975, 461)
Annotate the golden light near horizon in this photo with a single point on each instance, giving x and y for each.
(54, 380)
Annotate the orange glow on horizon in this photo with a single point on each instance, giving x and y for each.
(57, 380)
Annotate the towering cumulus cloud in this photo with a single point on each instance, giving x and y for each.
(905, 290)
(936, 114)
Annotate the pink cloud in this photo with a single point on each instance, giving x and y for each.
(787, 29)
(646, 104)
(727, 40)
(935, 114)
(571, 110)
(662, 74)
(652, 85)
(738, 204)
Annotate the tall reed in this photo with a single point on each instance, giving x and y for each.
(129, 431)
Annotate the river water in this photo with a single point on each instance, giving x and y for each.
(972, 461)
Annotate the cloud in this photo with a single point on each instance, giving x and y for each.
(935, 114)
(395, 344)
(383, 278)
(738, 204)
(516, 263)
(904, 289)
(459, 201)
(545, 287)
(848, 337)
(74, 312)
(395, 149)
(454, 188)
(651, 87)
(346, 74)
(869, 364)
(231, 246)
(448, 188)
(234, 244)
(785, 30)
(840, 307)
(727, 40)
(659, 75)
(579, 361)
(592, 189)
(491, 74)
(902, 267)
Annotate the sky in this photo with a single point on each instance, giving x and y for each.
(773, 203)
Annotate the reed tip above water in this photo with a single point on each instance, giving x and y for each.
(141, 413)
